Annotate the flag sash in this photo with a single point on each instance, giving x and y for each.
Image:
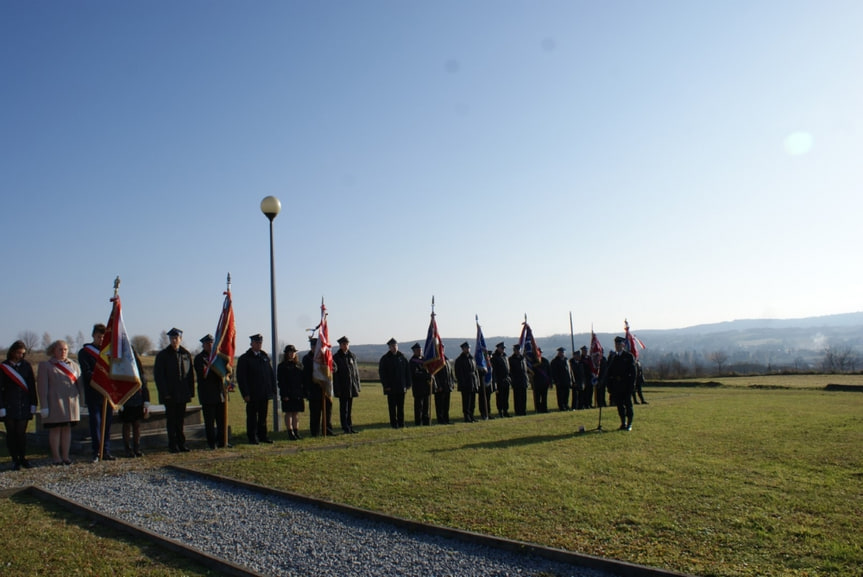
(64, 368)
(91, 350)
(15, 376)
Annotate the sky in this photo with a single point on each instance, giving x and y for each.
(670, 162)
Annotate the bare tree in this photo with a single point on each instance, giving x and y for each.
(80, 340)
(719, 358)
(46, 340)
(73, 346)
(30, 339)
(164, 341)
(142, 344)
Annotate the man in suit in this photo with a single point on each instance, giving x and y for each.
(257, 386)
(620, 380)
(175, 380)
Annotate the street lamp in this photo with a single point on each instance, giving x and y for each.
(271, 206)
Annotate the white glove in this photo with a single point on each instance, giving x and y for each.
(2, 413)
(146, 405)
(45, 413)
(33, 409)
(120, 408)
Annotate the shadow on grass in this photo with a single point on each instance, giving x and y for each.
(520, 441)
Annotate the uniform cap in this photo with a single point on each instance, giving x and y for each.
(343, 340)
(392, 342)
(619, 340)
(290, 349)
(258, 338)
(416, 347)
(175, 332)
(207, 339)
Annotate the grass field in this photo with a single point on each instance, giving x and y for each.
(754, 477)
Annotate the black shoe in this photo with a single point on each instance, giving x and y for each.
(267, 441)
(353, 431)
(26, 464)
(643, 402)
(173, 450)
(297, 435)
(629, 427)
(225, 446)
(253, 442)
(138, 453)
(622, 427)
(16, 466)
(129, 453)
(108, 457)
(185, 449)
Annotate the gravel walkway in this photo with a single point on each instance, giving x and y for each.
(275, 535)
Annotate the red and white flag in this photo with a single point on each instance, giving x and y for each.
(322, 368)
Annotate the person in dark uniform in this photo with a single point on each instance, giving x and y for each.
(290, 377)
(257, 386)
(174, 374)
(519, 376)
(18, 400)
(420, 387)
(639, 383)
(443, 385)
(541, 382)
(87, 358)
(211, 395)
(620, 381)
(587, 369)
(133, 410)
(394, 372)
(577, 370)
(561, 376)
(346, 383)
(500, 374)
(468, 381)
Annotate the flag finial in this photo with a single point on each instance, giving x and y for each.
(229, 282)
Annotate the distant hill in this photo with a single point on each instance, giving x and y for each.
(778, 342)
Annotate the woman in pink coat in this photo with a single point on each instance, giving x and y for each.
(59, 398)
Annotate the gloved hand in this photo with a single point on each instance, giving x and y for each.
(2, 413)
(33, 409)
(45, 413)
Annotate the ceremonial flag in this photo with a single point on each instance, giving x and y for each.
(631, 341)
(596, 353)
(433, 349)
(527, 344)
(322, 368)
(481, 354)
(116, 374)
(221, 359)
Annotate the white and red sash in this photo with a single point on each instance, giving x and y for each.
(15, 376)
(64, 368)
(91, 349)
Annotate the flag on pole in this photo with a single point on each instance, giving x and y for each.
(221, 359)
(433, 349)
(481, 354)
(631, 341)
(527, 343)
(596, 353)
(322, 368)
(116, 373)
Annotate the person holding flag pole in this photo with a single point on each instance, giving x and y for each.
(596, 359)
(214, 368)
(631, 346)
(116, 374)
(439, 368)
(322, 373)
(483, 366)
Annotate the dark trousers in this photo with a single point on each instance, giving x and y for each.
(519, 399)
(95, 419)
(468, 404)
(346, 405)
(503, 399)
(256, 420)
(16, 438)
(563, 397)
(441, 407)
(396, 406)
(484, 401)
(587, 400)
(175, 415)
(624, 407)
(214, 423)
(540, 398)
(422, 409)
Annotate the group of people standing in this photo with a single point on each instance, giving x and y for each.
(575, 380)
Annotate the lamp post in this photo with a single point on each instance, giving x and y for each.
(271, 206)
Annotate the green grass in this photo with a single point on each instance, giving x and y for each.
(711, 481)
(53, 542)
(729, 481)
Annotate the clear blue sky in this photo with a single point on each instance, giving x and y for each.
(670, 162)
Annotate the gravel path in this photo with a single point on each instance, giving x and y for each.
(278, 536)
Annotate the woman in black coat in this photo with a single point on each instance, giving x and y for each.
(290, 375)
(18, 400)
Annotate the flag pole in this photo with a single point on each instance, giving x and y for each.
(483, 398)
(323, 391)
(571, 333)
(105, 397)
(224, 386)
